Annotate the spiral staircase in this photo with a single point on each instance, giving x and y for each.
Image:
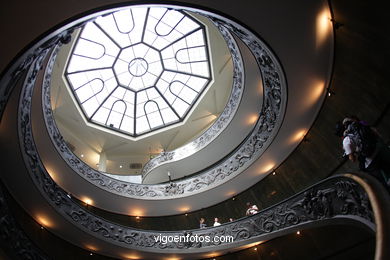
(283, 72)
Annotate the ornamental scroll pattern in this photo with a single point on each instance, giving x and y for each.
(10, 80)
(222, 121)
(336, 197)
(270, 119)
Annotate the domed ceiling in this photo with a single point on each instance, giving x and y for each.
(139, 69)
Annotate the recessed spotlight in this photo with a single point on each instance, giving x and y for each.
(42, 227)
(121, 166)
(68, 195)
(90, 254)
(298, 232)
(330, 93)
(81, 155)
(87, 201)
(255, 249)
(274, 173)
(186, 214)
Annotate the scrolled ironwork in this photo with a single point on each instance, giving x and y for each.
(270, 119)
(336, 197)
(30, 57)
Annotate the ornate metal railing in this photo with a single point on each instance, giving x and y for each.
(336, 198)
(346, 198)
(270, 119)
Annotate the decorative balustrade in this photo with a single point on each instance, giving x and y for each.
(347, 199)
(257, 141)
(336, 198)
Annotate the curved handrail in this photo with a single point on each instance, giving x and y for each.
(380, 203)
(347, 198)
(257, 141)
(336, 198)
(340, 197)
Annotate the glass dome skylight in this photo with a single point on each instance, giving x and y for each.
(139, 69)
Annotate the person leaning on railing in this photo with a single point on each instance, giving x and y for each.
(251, 209)
(363, 144)
(202, 223)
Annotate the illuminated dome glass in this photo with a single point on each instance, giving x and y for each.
(140, 69)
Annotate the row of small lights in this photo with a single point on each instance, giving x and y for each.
(91, 254)
(88, 202)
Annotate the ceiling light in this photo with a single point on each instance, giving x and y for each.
(323, 27)
(298, 232)
(184, 209)
(121, 166)
(91, 248)
(132, 256)
(266, 168)
(252, 119)
(330, 93)
(44, 221)
(298, 136)
(81, 155)
(87, 201)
